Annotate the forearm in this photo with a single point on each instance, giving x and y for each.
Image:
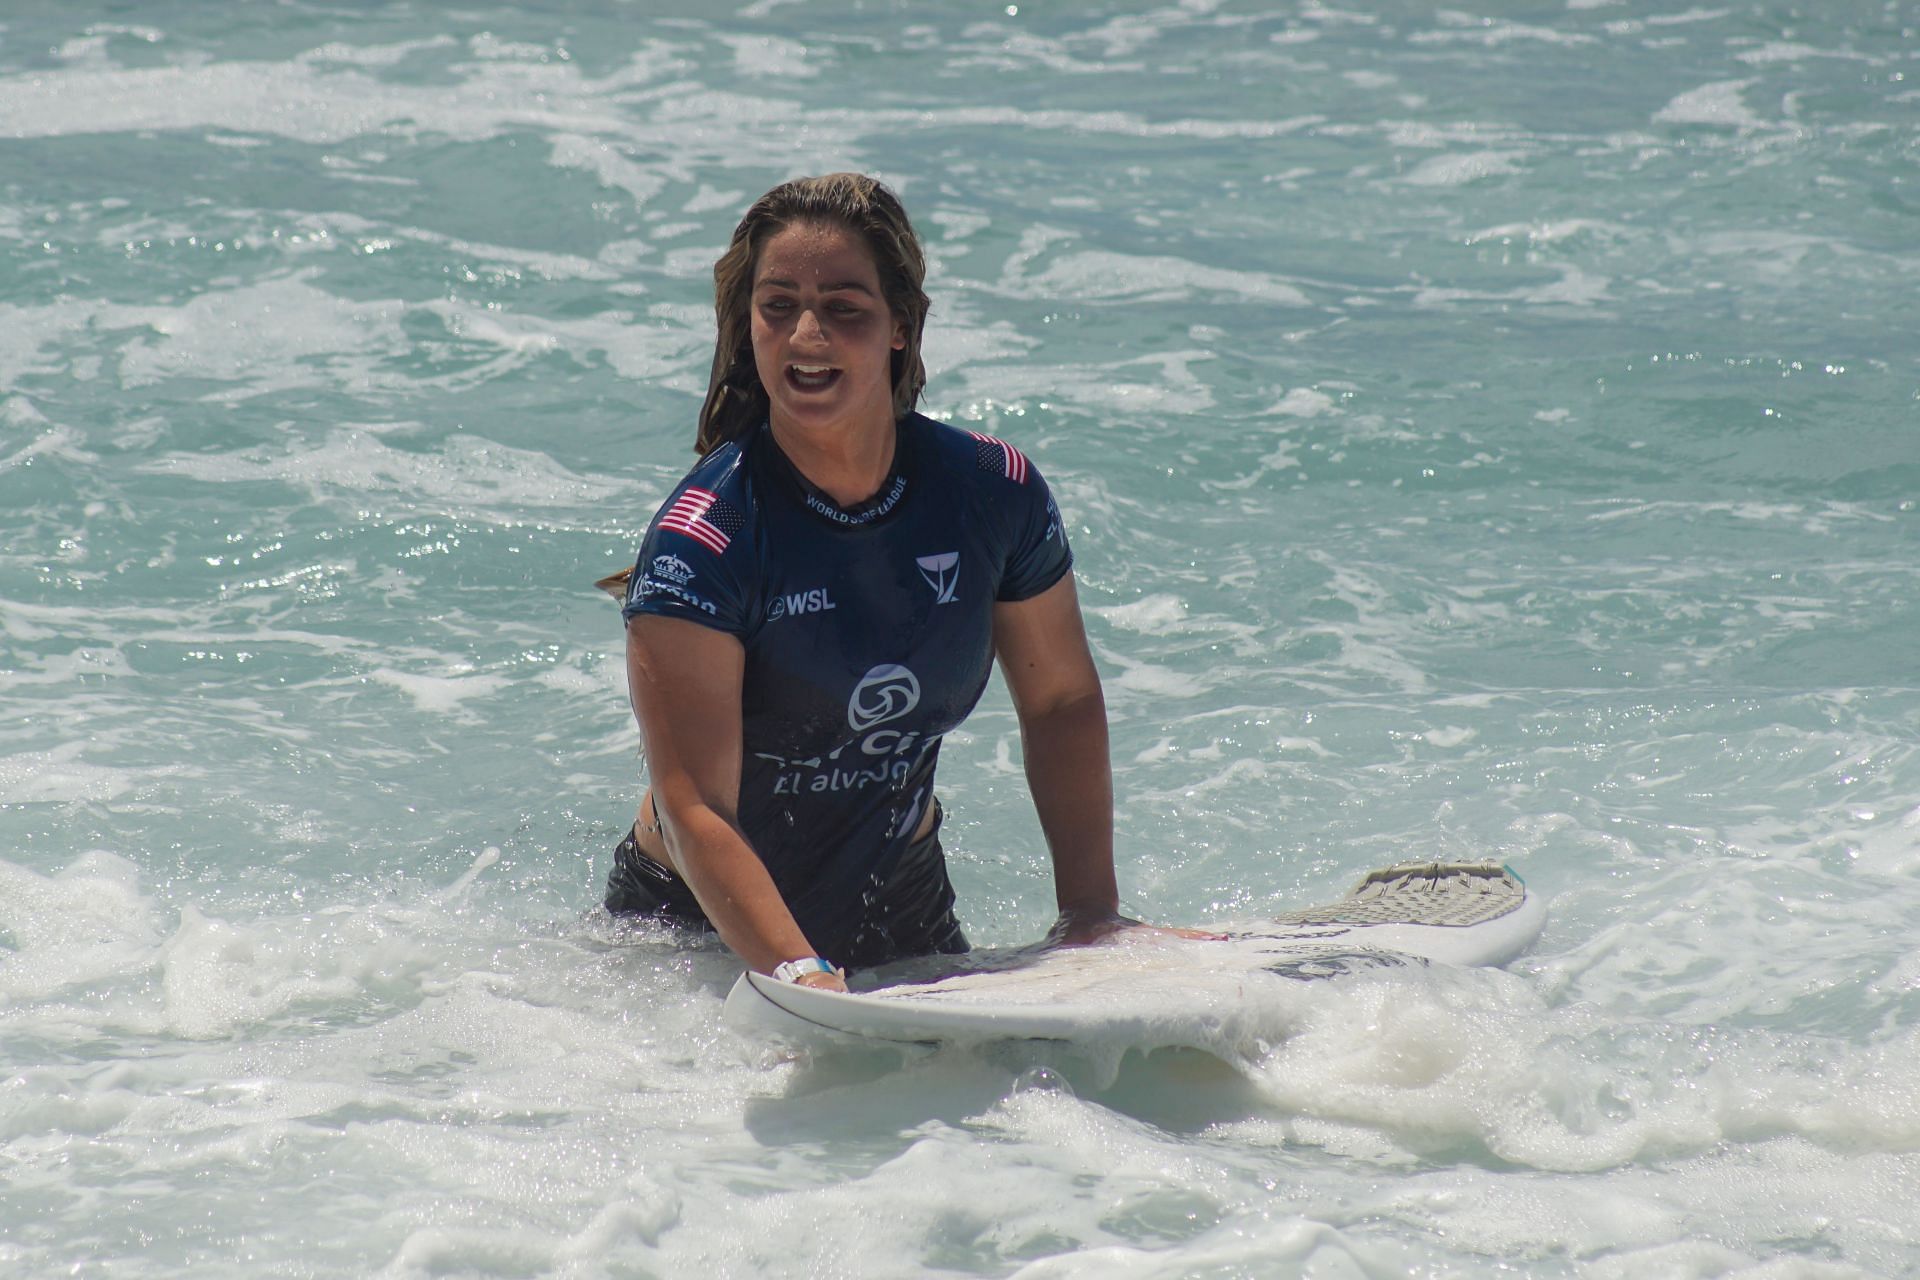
(1072, 784)
(733, 887)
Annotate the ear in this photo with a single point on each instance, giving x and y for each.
(899, 335)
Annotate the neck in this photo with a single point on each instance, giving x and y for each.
(847, 466)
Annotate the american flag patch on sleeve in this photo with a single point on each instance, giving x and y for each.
(704, 517)
(999, 457)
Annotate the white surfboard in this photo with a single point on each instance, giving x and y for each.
(1154, 990)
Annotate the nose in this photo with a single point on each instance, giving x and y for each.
(807, 327)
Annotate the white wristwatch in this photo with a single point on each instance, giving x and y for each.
(793, 970)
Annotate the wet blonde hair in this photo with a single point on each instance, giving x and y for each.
(736, 402)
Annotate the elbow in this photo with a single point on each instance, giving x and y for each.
(1083, 708)
(682, 819)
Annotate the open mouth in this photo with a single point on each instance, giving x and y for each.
(811, 377)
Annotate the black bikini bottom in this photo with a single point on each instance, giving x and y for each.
(909, 913)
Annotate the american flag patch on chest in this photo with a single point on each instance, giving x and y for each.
(999, 457)
(704, 517)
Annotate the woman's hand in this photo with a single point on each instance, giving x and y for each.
(821, 981)
(1083, 928)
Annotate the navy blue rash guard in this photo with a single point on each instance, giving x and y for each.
(868, 634)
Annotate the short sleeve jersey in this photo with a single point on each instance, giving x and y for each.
(868, 634)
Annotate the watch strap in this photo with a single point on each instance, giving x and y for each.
(794, 970)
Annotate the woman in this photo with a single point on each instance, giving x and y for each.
(821, 599)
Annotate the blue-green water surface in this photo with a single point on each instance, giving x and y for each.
(1484, 432)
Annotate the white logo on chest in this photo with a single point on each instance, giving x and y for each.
(942, 573)
(885, 693)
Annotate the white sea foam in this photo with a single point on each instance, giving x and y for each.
(1162, 383)
(314, 102)
(1552, 232)
(85, 924)
(478, 479)
(1790, 51)
(1722, 104)
(1302, 402)
(61, 775)
(54, 442)
(1452, 735)
(375, 55)
(445, 695)
(1466, 28)
(1102, 274)
(1576, 287)
(267, 334)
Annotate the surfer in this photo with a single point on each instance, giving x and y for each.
(821, 599)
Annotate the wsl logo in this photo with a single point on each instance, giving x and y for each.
(885, 693)
(814, 601)
(942, 573)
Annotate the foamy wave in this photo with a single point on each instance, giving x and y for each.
(315, 101)
(61, 775)
(478, 479)
(1721, 105)
(1102, 274)
(1454, 171)
(1432, 1060)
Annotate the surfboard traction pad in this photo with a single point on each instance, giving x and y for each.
(1448, 894)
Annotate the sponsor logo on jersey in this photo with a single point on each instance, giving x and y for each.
(819, 778)
(1055, 529)
(673, 569)
(875, 756)
(796, 602)
(942, 573)
(885, 693)
(651, 586)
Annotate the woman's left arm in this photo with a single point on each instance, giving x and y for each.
(1042, 647)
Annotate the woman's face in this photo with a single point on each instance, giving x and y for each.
(823, 335)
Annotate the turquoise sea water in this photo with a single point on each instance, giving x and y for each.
(1488, 431)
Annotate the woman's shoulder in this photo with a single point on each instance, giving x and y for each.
(967, 454)
(707, 512)
(721, 482)
(1005, 503)
(722, 471)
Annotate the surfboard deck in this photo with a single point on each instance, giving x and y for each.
(1157, 990)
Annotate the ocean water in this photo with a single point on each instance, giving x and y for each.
(1487, 431)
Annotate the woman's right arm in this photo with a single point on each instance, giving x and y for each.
(685, 681)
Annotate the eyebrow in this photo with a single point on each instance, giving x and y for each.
(780, 282)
